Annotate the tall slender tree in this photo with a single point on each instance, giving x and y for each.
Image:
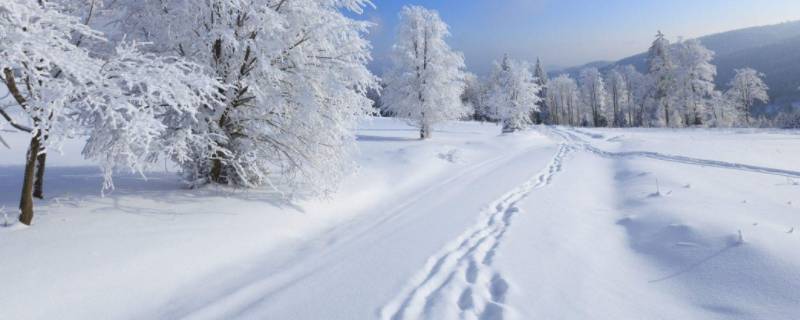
(594, 96)
(540, 77)
(427, 78)
(694, 80)
(638, 94)
(618, 95)
(660, 70)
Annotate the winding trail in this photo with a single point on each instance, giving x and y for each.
(460, 281)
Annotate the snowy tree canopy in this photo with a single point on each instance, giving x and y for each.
(594, 96)
(426, 81)
(747, 88)
(694, 80)
(639, 92)
(562, 95)
(513, 93)
(36, 46)
(660, 72)
(120, 101)
(618, 98)
(295, 81)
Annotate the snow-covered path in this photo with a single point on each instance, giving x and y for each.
(551, 223)
(460, 281)
(349, 271)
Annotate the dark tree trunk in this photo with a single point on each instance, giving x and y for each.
(26, 198)
(216, 171)
(38, 185)
(424, 132)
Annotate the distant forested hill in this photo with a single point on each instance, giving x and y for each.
(773, 50)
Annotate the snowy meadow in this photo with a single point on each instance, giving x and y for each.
(238, 159)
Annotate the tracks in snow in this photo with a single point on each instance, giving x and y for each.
(460, 281)
(672, 158)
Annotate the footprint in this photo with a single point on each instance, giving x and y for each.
(493, 311)
(498, 288)
(472, 272)
(465, 301)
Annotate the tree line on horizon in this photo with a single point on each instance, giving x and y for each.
(678, 89)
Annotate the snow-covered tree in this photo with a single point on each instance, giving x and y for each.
(660, 72)
(618, 96)
(638, 94)
(63, 90)
(295, 83)
(142, 108)
(540, 77)
(747, 88)
(562, 95)
(36, 40)
(473, 96)
(427, 78)
(723, 112)
(694, 80)
(594, 96)
(513, 93)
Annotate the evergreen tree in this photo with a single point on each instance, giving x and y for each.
(540, 77)
(660, 71)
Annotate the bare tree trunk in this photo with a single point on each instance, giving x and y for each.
(38, 185)
(26, 198)
(425, 132)
(216, 171)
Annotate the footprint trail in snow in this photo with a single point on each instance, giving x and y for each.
(460, 282)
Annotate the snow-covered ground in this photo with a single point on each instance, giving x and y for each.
(551, 223)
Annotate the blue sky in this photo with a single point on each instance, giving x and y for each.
(572, 32)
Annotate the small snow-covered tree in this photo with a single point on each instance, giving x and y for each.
(513, 93)
(427, 78)
(618, 96)
(694, 80)
(594, 96)
(295, 84)
(660, 72)
(747, 88)
(562, 95)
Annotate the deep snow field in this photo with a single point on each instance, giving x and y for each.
(550, 223)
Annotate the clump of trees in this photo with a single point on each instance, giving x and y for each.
(245, 92)
(676, 91)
